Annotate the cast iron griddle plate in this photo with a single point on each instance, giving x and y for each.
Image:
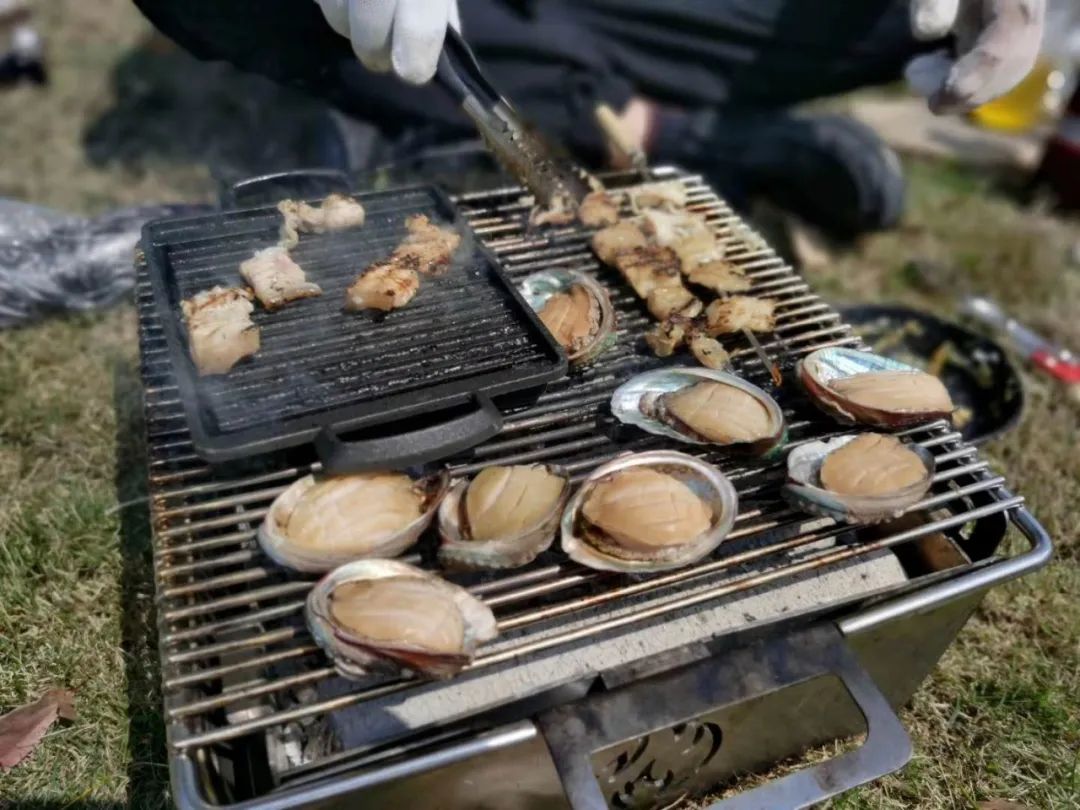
(978, 373)
(320, 367)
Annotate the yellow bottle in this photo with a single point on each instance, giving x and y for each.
(1024, 106)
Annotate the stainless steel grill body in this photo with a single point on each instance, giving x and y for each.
(241, 673)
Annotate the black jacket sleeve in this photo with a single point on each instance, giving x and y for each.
(286, 40)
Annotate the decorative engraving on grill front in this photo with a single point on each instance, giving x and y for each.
(658, 769)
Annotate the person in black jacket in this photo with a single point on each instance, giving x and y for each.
(707, 84)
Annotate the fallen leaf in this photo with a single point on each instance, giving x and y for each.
(1002, 804)
(22, 729)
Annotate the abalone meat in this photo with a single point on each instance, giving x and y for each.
(865, 478)
(575, 309)
(503, 518)
(385, 616)
(861, 387)
(648, 512)
(701, 406)
(320, 523)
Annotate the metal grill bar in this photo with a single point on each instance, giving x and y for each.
(230, 619)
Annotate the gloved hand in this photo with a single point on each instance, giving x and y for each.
(405, 36)
(997, 42)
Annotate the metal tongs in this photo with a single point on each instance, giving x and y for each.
(554, 183)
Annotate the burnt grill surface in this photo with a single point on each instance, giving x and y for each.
(235, 652)
(320, 365)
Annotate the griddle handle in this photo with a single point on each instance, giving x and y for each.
(269, 189)
(400, 450)
(575, 731)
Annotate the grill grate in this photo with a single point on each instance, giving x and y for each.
(233, 643)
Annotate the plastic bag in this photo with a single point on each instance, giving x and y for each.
(51, 262)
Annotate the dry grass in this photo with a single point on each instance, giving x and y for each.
(1000, 718)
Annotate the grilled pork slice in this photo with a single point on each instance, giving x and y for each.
(276, 278)
(562, 211)
(427, 248)
(649, 267)
(608, 243)
(336, 213)
(666, 336)
(728, 315)
(598, 209)
(384, 286)
(708, 351)
(220, 331)
(719, 276)
(669, 194)
(663, 302)
(689, 235)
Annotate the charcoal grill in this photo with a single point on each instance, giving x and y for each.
(602, 690)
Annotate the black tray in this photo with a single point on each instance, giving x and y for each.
(465, 338)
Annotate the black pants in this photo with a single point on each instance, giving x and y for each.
(557, 58)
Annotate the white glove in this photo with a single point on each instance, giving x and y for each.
(997, 43)
(405, 36)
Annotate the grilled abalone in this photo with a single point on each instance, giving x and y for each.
(386, 616)
(857, 386)
(318, 524)
(572, 317)
(701, 406)
(503, 518)
(866, 478)
(648, 512)
(575, 309)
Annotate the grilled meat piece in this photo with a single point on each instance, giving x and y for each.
(384, 286)
(608, 243)
(428, 248)
(562, 211)
(708, 351)
(220, 331)
(663, 302)
(729, 315)
(276, 278)
(337, 212)
(649, 267)
(689, 235)
(719, 276)
(666, 336)
(598, 209)
(670, 194)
